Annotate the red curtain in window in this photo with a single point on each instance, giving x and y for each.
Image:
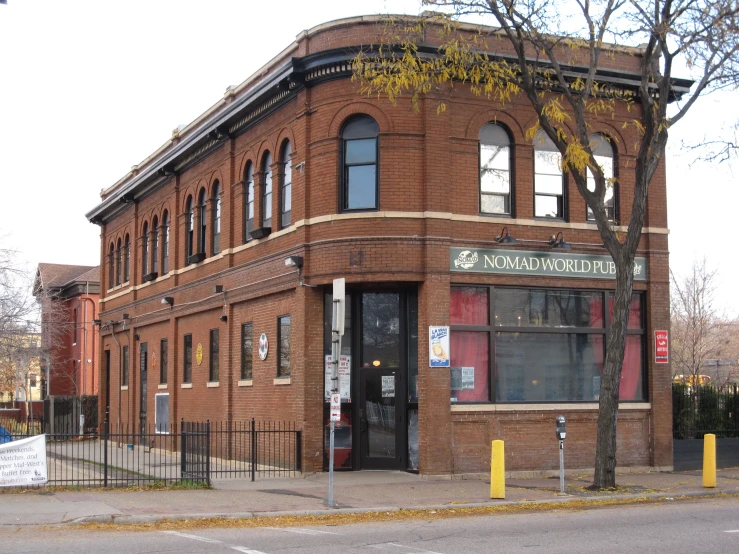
(631, 370)
(468, 306)
(634, 311)
(470, 349)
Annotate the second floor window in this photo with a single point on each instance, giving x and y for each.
(359, 175)
(286, 197)
(127, 261)
(267, 190)
(145, 250)
(189, 228)
(216, 218)
(118, 258)
(111, 267)
(165, 245)
(495, 170)
(603, 152)
(203, 222)
(548, 178)
(248, 202)
(155, 245)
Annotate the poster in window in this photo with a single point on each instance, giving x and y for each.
(462, 378)
(388, 386)
(438, 346)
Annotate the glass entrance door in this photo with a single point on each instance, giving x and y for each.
(381, 379)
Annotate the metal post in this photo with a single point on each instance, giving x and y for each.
(253, 451)
(183, 450)
(207, 452)
(561, 466)
(105, 453)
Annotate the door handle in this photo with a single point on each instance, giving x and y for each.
(362, 425)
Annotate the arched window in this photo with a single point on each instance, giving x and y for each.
(267, 190)
(216, 217)
(165, 241)
(549, 186)
(359, 175)
(155, 245)
(118, 258)
(286, 195)
(189, 229)
(495, 170)
(203, 222)
(603, 152)
(248, 201)
(127, 261)
(145, 250)
(111, 266)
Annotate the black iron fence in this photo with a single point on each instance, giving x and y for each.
(196, 452)
(701, 409)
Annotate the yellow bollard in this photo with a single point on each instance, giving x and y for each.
(709, 461)
(497, 470)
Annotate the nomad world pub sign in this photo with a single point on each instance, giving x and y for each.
(550, 264)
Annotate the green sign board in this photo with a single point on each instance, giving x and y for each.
(549, 264)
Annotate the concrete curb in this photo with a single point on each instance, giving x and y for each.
(124, 519)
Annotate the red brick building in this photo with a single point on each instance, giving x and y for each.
(69, 297)
(406, 206)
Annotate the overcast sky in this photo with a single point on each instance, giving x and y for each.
(89, 88)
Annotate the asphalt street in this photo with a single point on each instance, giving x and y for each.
(707, 525)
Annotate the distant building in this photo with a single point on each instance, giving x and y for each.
(69, 296)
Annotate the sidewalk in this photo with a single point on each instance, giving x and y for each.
(353, 492)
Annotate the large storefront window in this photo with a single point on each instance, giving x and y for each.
(547, 345)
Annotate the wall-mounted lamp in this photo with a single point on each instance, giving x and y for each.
(558, 241)
(505, 237)
(96, 322)
(136, 336)
(125, 316)
(224, 318)
(168, 300)
(217, 289)
(294, 261)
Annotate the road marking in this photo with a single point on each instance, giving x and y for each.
(243, 549)
(732, 531)
(193, 537)
(416, 550)
(300, 531)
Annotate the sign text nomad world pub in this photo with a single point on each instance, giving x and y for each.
(551, 264)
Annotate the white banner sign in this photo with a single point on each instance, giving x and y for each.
(345, 375)
(23, 462)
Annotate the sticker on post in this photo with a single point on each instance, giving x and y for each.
(335, 407)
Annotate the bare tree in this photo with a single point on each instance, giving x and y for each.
(551, 54)
(701, 331)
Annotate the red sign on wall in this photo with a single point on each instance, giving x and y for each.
(661, 347)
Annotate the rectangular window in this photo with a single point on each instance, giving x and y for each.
(163, 361)
(187, 372)
(283, 346)
(246, 351)
(74, 327)
(543, 345)
(124, 369)
(548, 184)
(161, 413)
(214, 369)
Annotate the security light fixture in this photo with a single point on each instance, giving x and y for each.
(558, 241)
(505, 237)
(125, 316)
(168, 300)
(96, 322)
(217, 289)
(224, 318)
(294, 261)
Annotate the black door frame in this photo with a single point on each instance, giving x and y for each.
(360, 460)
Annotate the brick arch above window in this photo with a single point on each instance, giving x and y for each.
(516, 132)
(359, 108)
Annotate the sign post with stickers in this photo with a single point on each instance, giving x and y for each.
(337, 331)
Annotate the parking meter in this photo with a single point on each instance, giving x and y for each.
(561, 432)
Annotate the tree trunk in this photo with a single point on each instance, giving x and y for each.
(605, 453)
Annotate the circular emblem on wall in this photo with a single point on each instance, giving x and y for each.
(263, 347)
(199, 354)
